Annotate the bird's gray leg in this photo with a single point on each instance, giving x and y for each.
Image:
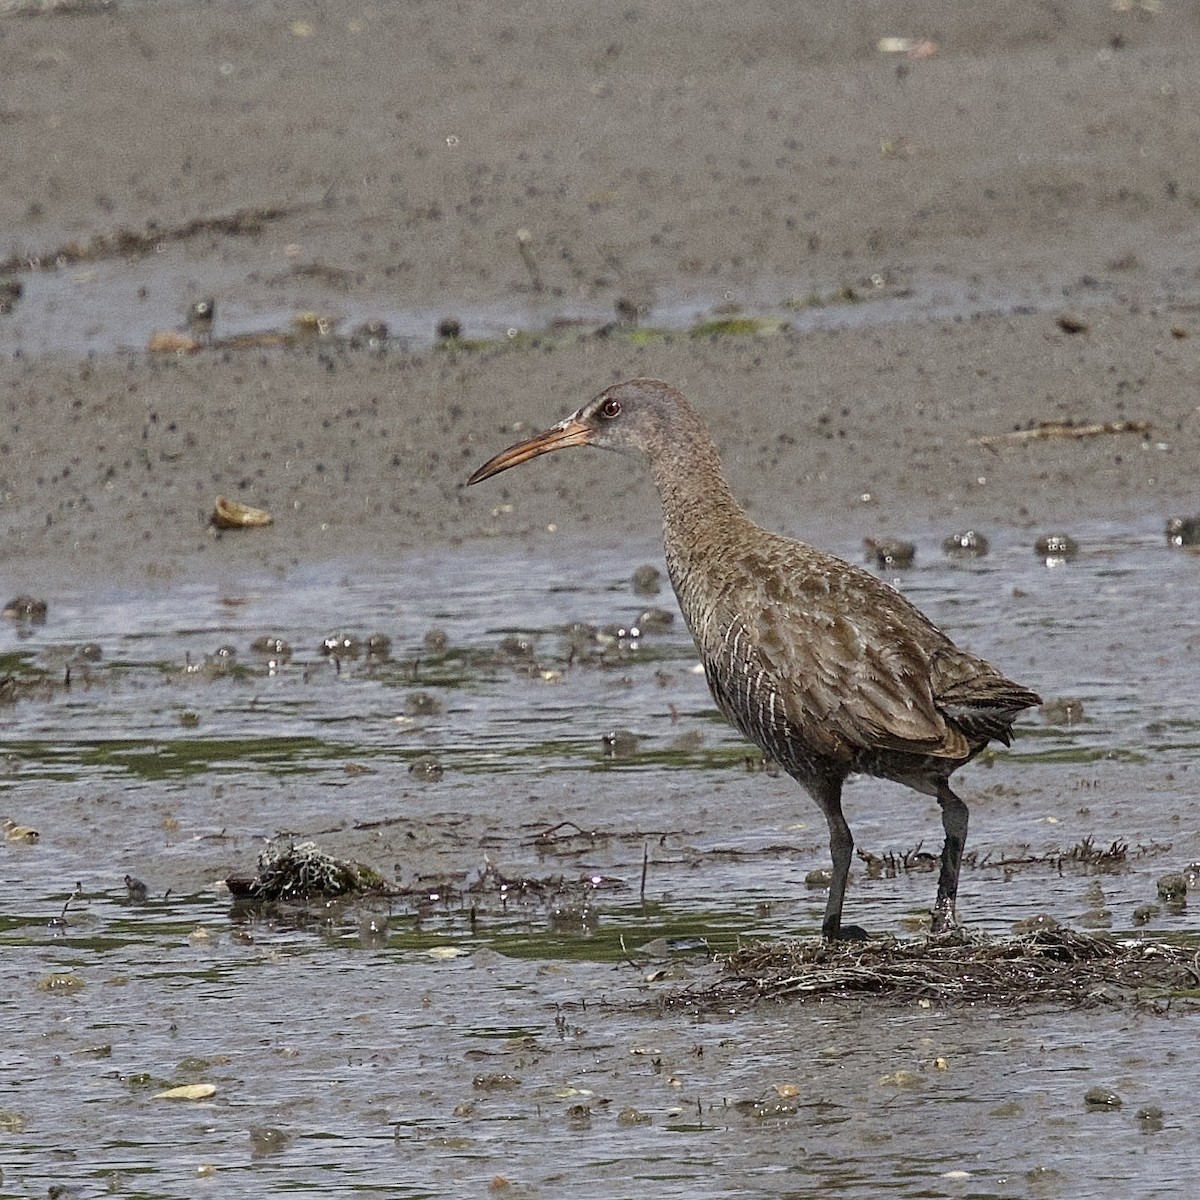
(954, 822)
(828, 794)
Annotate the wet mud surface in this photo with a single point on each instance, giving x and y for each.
(557, 895)
(915, 294)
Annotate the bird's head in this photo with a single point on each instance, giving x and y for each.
(636, 417)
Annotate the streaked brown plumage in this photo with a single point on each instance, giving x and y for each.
(826, 668)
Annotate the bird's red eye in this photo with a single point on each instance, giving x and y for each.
(610, 408)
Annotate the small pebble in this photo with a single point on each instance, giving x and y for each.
(1101, 1098)
(1183, 531)
(1056, 547)
(820, 877)
(516, 646)
(655, 620)
(1149, 1118)
(647, 580)
(26, 608)
(629, 1117)
(267, 1139)
(427, 769)
(421, 704)
(620, 743)
(890, 553)
(1172, 886)
(1035, 924)
(379, 645)
(967, 544)
(272, 647)
(341, 645)
(1063, 710)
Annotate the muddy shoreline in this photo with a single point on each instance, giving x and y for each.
(738, 160)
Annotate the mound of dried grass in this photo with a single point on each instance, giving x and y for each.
(1052, 966)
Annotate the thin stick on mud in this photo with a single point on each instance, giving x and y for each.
(645, 868)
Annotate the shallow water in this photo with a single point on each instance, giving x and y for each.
(470, 1030)
(118, 304)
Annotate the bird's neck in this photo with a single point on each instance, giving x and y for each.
(702, 522)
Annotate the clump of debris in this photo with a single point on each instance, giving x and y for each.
(300, 872)
(1052, 966)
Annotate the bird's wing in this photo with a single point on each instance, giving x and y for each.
(866, 684)
(847, 658)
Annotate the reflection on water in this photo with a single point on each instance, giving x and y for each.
(497, 1024)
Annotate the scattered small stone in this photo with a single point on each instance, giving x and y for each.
(268, 1139)
(428, 770)
(1101, 1098)
(1056, 548)
(655, 620)
(620, 743)
(499, 1082)
(890, 553)
(516, 645)
(26, 608)
(647, 580)
(61, 983)
(341, 645)
(1183, 531)
(275, 648)
(629, 1117)
(1150, 1118)
(1063, 710)
(1034, 924)
(379, 646)
(1172, 886)
(967, 544)
(421, 704)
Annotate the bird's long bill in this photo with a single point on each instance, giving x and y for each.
(571, 432)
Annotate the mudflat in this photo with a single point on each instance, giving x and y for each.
(930, 223)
